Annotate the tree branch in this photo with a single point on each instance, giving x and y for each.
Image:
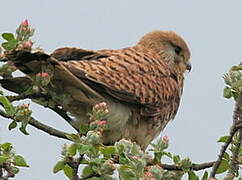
(56, 109)
(6, 167)
(89, 176)
(237, 120)
(234, 129)
(49, 130)
(27, 96)
(195, 167)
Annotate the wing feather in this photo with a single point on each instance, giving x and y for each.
(129, 76)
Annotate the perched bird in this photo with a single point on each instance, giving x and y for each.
(142, 85)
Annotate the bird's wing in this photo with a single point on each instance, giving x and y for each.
(129, 76)
(66, 54)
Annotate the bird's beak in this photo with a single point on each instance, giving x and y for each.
(188, 66)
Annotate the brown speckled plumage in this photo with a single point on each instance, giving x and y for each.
(141, 84)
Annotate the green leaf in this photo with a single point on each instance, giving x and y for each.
(126, 173)
(72, 149)
(12, 125)
(68, 171)
(14, 170)
(59, 166)
(82, 148)
(123, 159)
(87, 170)
(7, 105)
(224, 166)
(168, 154)
(158, 156)
(3, 159)
(10, 45)
(205, 176)
(223, 139)
(6, 146)
(226, 156)
(8, 36)
(74, 137)
(23, 130)
(227, 92)
(19, 161)
(176, 159)
(186, 164)
(109, 150)
(192, 176)
(83, 129)
(236, 68)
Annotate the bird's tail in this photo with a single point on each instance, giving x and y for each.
(61, 79)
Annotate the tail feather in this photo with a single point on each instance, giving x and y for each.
(61, 78)
(17, 84)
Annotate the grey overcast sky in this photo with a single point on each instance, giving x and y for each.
(213, 30)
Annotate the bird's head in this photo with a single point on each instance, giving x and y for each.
(170, 47)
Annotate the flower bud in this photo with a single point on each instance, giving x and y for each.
(149, 175)
(25, 23)
(93, 137)
(135, 157)
(27, 44)
(101, 123)
(165, 139)
(43, 74)
(108, 167)
(1, 55)
(101, 106)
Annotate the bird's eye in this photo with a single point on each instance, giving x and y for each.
(177, 50)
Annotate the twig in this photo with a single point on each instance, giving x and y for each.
(195, 167)
(64, 115)
(56, 109)
(234, 129)
(89, 176)
(49, 130)
(26, 96)
(237, 117)
(75, 163)
(6, 167)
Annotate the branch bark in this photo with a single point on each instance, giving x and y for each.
(45, 128)
(56, 109)
(89, 176)
(236, 119)
(195, 167)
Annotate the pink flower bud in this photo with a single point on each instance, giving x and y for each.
(25, 105)
(165, 139)
(1, 55)
(102, 123)
(135, 157)
(103, 104)
(148, 174)
(25, 23)
(27, 44)
(43, 74)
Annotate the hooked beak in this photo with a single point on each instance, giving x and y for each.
(188, 66)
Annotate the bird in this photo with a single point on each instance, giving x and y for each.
(141, 84)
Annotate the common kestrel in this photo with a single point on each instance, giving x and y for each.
(142, 84)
